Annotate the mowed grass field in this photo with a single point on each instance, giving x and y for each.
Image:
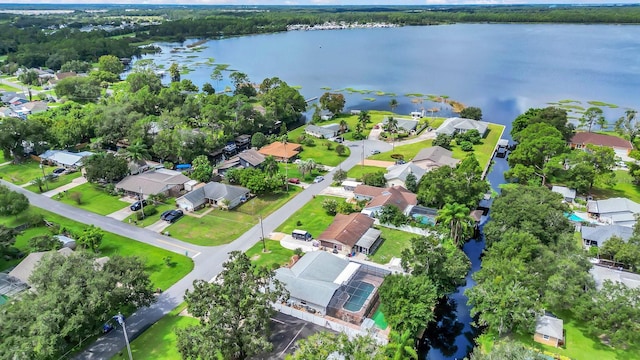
(94, 199)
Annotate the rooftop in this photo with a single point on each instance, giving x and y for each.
(550, 326)
(437, 154)
(280, 150)
(600, 140)
(152, 182)
(451, 125)
(347, 229)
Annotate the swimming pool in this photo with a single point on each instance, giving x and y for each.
(574, 217)
(358, 292)
(423, 219)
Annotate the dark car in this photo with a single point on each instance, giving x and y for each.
(174, 215)
(138, 205)
(106, 328)
(59, 171)
(165, 214)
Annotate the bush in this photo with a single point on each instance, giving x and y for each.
(34, 219)
(466, 146)
(298, 251)
(309, 142)
(77, 197)
(298, 223)
(148, 211)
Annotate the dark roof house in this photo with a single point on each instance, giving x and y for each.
(598, 235)
(620, 211)
(214, 193)
(159, 181)
(351, 233)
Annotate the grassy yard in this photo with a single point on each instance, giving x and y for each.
(23, 173)
(222, 227)
(624, 187)
(580, 344)
(94, 199)
(169, 204)
(312, 217)
(394, 242)
(161, 275)
(275, 257)
(6, 87)
(159, 341)
(357, 171)
(56, 182)
(482, 151)
(322, 154)
(291, 170)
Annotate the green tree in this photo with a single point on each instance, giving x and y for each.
(506, 349)
(411, 183)
(105, 167)
(340, 175)
(628, 125)
(457, 217)
(364, 118)
(137, 152)
(341, 149)
(393, 104)
(330, 206)
(79, 89)
(443, 140)
(323, 345)
(408, 302)
(12, 203)
(29, 78)
(306, 167)
(202, 169)
(446, 266)
(7, 238)
(374, 179)
(44, 243)
(216, 76)
(270, 166)
(471, 112)
(592, 116)
(69, 308)
(40, 182)
(392, 215)
(614, 312)
(77, 66)
(208, 89)
(553, 116)
(174, 71)
(234, 312)
(110, 63)
(258, 140)
(401, 346)
(333, 102)
(91, 238)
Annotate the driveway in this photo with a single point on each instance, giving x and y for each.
(158, 226)
(288, 242)
(337, 191)
(75, 182)
(121, 214)
(602, 273)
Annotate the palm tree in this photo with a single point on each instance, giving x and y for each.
(40, 182)
(457, 216)
(391, 126)
(627, 126)
(137, 151)
(393, 104)
(270, 165)
(343, 126)
(364, 117)
(401, 346)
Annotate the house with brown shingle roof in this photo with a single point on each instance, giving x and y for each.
(351, 233)
(378, 198)
(434, 157)
(620, 146)
(245, 159)
(281, 151)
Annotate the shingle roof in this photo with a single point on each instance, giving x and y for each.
(550, 326)
(65, 157)
(613, 205)
(277, 149)
(368, 190)
(401, 171)
(152, 182)
(25, 268)
(437, 154)
(450, 125)
(583, 138)
(404, 124)
(312, 277)
(396, 196)
(252, 157)
(347, 229)
(214, 191)
(564, 191)
(601, 234)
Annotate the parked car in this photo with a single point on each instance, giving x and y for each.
(165, 214)
(400, 162)
(174, 215)
(106, 328)
(294, 181)
(59, 171)
(318, 179)
(138, 205)
(374, 152)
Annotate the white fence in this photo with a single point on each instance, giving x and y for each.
(330, 324)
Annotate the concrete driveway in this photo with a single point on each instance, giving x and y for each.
(158, 226)
(121, 214)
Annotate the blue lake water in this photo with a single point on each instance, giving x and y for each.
(503, 69)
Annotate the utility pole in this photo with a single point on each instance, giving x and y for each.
(44, 178)
(264, 244)
(141, 199)
(120, 319)
(363, 153)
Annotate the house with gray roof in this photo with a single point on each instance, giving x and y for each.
(404, 124)
(315, 278)
(159, 181)
(322, 132)
(213, 193)
(568, 194)
(397, 174)
(434, 157)
(25, 268)
(618, 211)
(246, 159)
(549, 331)
(65, 158)
(456, 125)
(598, 235)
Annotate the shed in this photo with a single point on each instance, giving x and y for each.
(568, 194)
(301, 235)
(549, 331)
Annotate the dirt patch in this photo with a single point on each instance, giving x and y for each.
(378, 163)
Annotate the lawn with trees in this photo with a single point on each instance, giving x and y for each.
(92, 198)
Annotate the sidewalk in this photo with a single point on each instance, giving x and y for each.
(75, 182)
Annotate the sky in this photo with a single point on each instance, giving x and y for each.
(323, 2)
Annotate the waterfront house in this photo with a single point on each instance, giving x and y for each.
(620, 146)
(457, 125)
(619, 211)
(323, 132)
(281, 151)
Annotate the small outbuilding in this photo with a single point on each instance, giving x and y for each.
(549, 331)
(568, 194)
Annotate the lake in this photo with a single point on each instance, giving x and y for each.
(503, 69)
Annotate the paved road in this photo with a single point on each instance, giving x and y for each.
(207, 260)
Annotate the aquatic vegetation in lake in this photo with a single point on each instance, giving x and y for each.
(370, 99)
(297, 87)
(414, 95)
(569, 101)
(604, 104)
(380, 93)
(325, 88)
(571, 107)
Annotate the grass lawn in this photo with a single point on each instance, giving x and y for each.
(357, 171)
(291, 170)
(312, 216)
(6, 87)
(56, 183)
(222, 227)
(580, 344)
(394, 242)
(321, 154)
(159, 341)
(161, 275)
(483, 151)
(169, 204)
(624, 187)
(275, 257)
(94, 199)
(23, 173)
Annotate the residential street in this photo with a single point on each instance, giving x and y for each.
(207, 260)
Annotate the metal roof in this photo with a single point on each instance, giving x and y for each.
(451, 125)
(601, 234)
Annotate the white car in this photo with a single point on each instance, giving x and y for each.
(318, 179)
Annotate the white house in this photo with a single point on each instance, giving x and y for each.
(214, 193)
(456, 125)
